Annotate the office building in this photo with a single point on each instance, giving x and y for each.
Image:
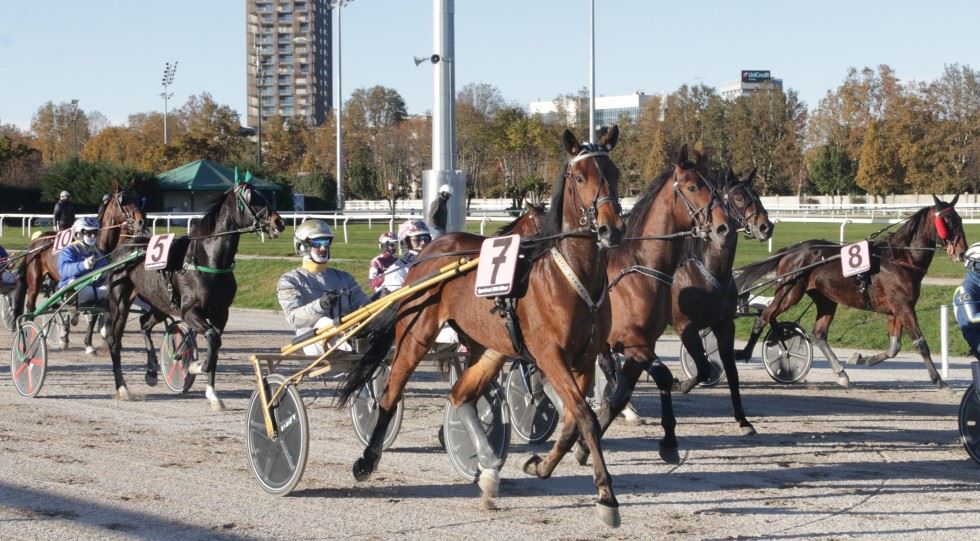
(751, 81)
(289, 49)
(609, 110)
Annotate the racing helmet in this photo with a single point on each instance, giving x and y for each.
(971, 259)
(309, 230)
(446, 188)
(64, 194)
(87, 223)
(387, 242)
(412, 229)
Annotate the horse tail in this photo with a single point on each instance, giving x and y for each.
(751, 273)
(20, 290)
(380, 334)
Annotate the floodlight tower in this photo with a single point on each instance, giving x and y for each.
(168, 79)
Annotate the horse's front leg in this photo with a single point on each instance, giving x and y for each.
(119, 299)
(911, 323)
(725, 334)
(212, 336)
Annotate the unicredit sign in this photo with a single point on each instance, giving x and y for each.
(755, 76)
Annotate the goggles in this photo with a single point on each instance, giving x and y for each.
(424, 239)
(90, 233)
(321, 242)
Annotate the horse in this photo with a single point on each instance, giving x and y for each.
(680, 202)
(198, 285)
(704, 295)
(122, 211)
(899, 262)
(561, 298)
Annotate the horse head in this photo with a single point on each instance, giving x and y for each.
(949, 228)
(596, 184)
(745, 206)
(121, 212)
(697, 204)
(254, 211)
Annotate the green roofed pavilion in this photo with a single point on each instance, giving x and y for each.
(191, 187)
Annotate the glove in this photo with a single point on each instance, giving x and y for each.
(89, 262)
(323, 324)
(329, 300)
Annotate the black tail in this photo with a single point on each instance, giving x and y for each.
(380, 335)
(750, 274)
(20, 290)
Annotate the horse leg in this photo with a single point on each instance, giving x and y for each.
(572, 391)
(219, 319)
(826, 309)
(745, 353)
(725, 334)
(906, 314)
(464, 395)
(408, 354)
(691, 337)
(894, 346)
(89, 331)
(119, 299)
(665, 382)
(212, 336)
(147, 321)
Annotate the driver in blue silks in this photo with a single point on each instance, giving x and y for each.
(82, 257)
(966, 300)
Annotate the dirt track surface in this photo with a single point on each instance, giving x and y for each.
(879, 461)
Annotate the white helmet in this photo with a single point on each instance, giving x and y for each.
(445, 188)
(64, 194)
(971, 259)
(411, 229)
(87, 223)
(308, 230)
(386, 240)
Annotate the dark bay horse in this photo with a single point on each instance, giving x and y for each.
(681, 202)
(892, 286)
(562, 313)
(121, 218)
(704, 294)
(199, 284)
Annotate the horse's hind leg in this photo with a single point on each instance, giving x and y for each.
(89, 331)
(725, 334)
(464, 395)
(894, 346)
(826, 309)
(147, 321)
(691, 337)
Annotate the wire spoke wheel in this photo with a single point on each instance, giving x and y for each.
(787, 353)
(716, 371)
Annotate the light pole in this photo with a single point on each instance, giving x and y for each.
(592, 73)
(339, 112)
(168, 79)
(259, 84)
(74, 127)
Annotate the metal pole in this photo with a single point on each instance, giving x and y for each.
(74, 127)
(592, 73)
(944, 339)
(340, 122)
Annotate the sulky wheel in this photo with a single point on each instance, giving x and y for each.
(28, 359)
(533, 415)
(716, 373)
(970, 422)
(6, 312)
(787, 353)
(178, 351)
(496, 422)
(364, 409)
(277, 464)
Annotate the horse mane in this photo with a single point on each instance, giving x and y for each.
(507, 229)
(904, 234)
(634, 224)
(209, 222)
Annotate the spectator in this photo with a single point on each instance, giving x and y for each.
(64, 212)
(438, 211)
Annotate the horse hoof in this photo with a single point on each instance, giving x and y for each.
(946, 390)
(151, 378)
(103, 332)
(489, 482)
(607, 514)
(856, 358)
(89, 350)
(195, 368)
(122, 393)
(530, 466)
(361, 470)
(843, 380)
(669, 454)
(581, 455)
(441, 436)
(217, 405)
(748, 430)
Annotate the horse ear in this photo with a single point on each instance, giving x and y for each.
(935, 199)
(682, 156)
(115, 185)
(611, 138)
(730, 175)
(751, 177)
(571, 144)
(955, 199)
(528, 204)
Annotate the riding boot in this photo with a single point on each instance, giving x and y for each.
(471, 422)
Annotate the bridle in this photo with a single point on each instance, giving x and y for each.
(943, 230)
(589, 215)
(739, 212)
(129, 217)
(261, 219)
(700, 216)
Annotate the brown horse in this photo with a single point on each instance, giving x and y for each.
(679, 203)
(892, 286)
(704, 293)
(565, 309)
(120, 213)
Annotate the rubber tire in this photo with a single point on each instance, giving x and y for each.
(6, 312)
(716, 373)
(364, 410)
(532, 421)
(268, 459)
(174, 370)
(28, 374)
(790, 365)
(969, 423)
(496, 421)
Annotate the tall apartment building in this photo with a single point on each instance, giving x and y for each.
(289, 46)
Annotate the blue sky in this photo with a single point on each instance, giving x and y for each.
(110, 55)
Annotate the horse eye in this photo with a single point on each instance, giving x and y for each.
(579, 178)
(692, 188)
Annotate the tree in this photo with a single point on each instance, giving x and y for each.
(476, 107)
(831, 170)
(767, 130)
(876, 173)
(60, 130)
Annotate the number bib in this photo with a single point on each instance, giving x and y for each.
(157, 251)
(61, 240)
(498, 264)
(855, 258)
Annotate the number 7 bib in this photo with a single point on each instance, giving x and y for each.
(498, 264)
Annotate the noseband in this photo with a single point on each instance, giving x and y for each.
(589, 214)
(738, 213)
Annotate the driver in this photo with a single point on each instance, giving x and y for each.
(966, 300)
(315, 295)
(81, 257)
(382, 261)
(413, 236)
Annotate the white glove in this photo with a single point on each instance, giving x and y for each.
(323, 324)
(89, 262)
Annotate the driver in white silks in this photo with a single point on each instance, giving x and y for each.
(413, 235)
(314, 295)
